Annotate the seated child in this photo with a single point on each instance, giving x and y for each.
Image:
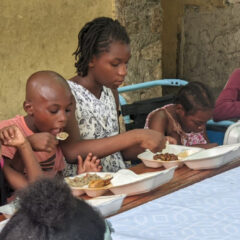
(185, 120)
(48, 104)
(12, 136)
(48, 210)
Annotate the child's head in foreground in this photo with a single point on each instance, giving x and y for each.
(49, 102)
(48, 210)
(101, 35)
(194, 106)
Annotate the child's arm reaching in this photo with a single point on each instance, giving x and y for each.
(12, 136)
(143, 138)
(90, 164)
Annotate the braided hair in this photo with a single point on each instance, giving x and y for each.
(94, 38)
(195, 96)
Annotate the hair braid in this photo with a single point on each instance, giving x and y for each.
(195, 96)
(95, 38)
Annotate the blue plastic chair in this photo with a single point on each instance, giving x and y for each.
(216, 130)
(149, 84)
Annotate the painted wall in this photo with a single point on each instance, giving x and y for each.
(173, 12)
(210, 51)
(143, 22)
(38, 35)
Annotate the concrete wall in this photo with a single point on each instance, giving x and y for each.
(210, 44)
(173, 13)
(38, 35)
(143, 21)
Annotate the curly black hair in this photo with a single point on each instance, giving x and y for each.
(195, 96)
(48, 210)
(94, 38)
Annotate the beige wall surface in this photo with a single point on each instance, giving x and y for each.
(39, 35)
(210, 51)
(173, 11)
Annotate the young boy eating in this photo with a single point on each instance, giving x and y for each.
(48, 104)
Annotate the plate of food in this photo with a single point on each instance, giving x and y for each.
(213, 157)
(94, 184)
(172, 155)
(127, 182)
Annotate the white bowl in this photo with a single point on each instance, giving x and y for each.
(148, 161)
(3, 223)
(9, 209)
(91, 192)
(132, 184)
(107, 205)
(213, 157)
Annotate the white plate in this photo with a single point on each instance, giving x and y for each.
(148, 161)
(127, 182)
(107, 205)
(8, 209)
(3, 223)
(91, 192)
(213, 157)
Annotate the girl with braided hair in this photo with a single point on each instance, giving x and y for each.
(185, 120)
(102, 57)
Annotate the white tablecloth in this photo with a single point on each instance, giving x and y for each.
(208, 210)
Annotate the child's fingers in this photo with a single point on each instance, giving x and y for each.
(6, 136)
(89, 157)
(97, 165)
(80, 160)
(99, 168)
(97, 161)
(93, 160)
(11, 132)
(80, 168)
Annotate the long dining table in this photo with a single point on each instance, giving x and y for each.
(194, 205)
(183, 177)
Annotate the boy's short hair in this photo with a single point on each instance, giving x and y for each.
(48, 210)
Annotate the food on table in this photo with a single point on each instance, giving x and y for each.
(89, 178)
(99, 183)
(183, 154)
(165, 157)
(82, 180)
(62, 136)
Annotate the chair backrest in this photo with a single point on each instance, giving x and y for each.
(216, 130)
(139, 110)
(232, 134)
(135, 114)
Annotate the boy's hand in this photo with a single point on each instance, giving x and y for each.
(12, 136)
(44, 141)
(90, 164)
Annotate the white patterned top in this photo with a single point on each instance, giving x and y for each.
(98, 118)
